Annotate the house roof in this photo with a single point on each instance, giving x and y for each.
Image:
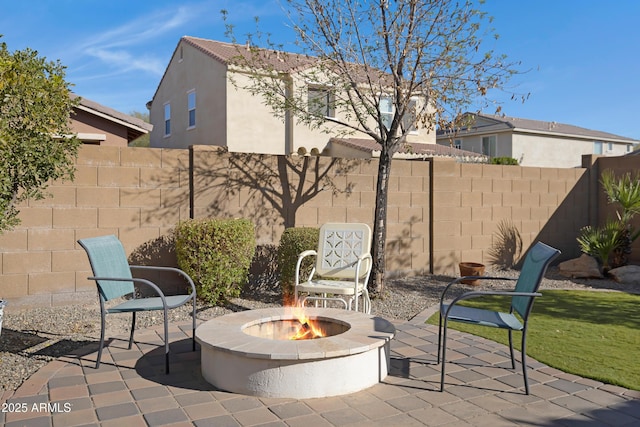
(229, 53)
(494, 124)
(411, 149)
(136, 127)
(279, 61)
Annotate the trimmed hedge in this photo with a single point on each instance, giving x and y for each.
(504, 161)
(217, 254)
(292, 242)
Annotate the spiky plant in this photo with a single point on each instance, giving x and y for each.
(601, 242)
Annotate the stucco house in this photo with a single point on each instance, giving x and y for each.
(201, 100)
(532, 142)
(96, 124)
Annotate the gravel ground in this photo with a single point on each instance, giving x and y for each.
(31, 338)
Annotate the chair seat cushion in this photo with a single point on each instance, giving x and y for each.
(329, 287)
(482, 317)
(147, 304)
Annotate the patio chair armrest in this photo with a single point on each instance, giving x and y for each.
(359, 272)
(168, 269)
(302, 256)
(136, 280)
(479, 294)
(459, 279)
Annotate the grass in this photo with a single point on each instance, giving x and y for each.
(591, 334)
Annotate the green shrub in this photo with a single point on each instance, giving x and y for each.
(292, 242)
(504, 161)
(217, 254)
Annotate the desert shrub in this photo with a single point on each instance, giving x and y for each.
(504, 161)
(292, 242)
(601, 242)
(217, 254)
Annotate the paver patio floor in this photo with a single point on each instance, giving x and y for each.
(130, 389)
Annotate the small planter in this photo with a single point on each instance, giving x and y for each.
(2, 304)
(471, 269)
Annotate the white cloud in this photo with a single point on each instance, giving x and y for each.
(120, 47)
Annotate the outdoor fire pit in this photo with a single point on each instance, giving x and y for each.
(274, 352)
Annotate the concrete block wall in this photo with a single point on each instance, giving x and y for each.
(472, 201)
(440, 212)
(121, 191)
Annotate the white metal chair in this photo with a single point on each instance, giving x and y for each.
(342, 266)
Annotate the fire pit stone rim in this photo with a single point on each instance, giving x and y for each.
(225, 333)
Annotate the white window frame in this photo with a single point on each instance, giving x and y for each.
(321, 101)
(409, 119)
(191, 109)
(167, 119)
(598, 147)
(386, 110)
(490, 148)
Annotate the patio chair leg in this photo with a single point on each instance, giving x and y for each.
(193, 327)
(102, 327)
(166, 341)
(439, 338)
(444, 351)
(524, 361)
(133, 328)
(513, 358)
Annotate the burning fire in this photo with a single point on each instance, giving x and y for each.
(309, 328)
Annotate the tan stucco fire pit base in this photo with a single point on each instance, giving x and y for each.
(241, 353)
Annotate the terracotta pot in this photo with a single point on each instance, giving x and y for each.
(471, 269)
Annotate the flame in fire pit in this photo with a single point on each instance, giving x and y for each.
(309, 328)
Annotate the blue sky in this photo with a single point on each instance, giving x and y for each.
(583, 56)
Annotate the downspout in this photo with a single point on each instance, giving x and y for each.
(288, 115)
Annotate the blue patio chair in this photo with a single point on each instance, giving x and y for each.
(113, 276)
(535, 265)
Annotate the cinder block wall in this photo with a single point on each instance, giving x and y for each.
(440, 212)
(121, 191)
(472, 203)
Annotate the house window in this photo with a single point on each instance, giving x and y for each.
(629, 148)
(597, 147)
(457, 143)
(409, 118)
(489, 145)
(386, 110)
(321, 102)
(610, 146)
(191, 106)
(167, 119)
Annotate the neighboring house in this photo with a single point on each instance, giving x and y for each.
(533, 142)
(201, 101)
(100, 125)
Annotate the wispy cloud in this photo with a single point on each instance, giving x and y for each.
(119, 47)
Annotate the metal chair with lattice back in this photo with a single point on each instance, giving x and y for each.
(342, 267)
(522, 297)
(113, 276)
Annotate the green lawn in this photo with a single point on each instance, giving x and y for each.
(591, 334)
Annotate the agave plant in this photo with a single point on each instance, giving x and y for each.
(625, 191)
(601, 242)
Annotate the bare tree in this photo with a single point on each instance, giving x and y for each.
(389, 67)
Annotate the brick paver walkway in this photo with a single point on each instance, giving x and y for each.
(131, 389)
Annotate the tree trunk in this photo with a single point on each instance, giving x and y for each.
(380, 222)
